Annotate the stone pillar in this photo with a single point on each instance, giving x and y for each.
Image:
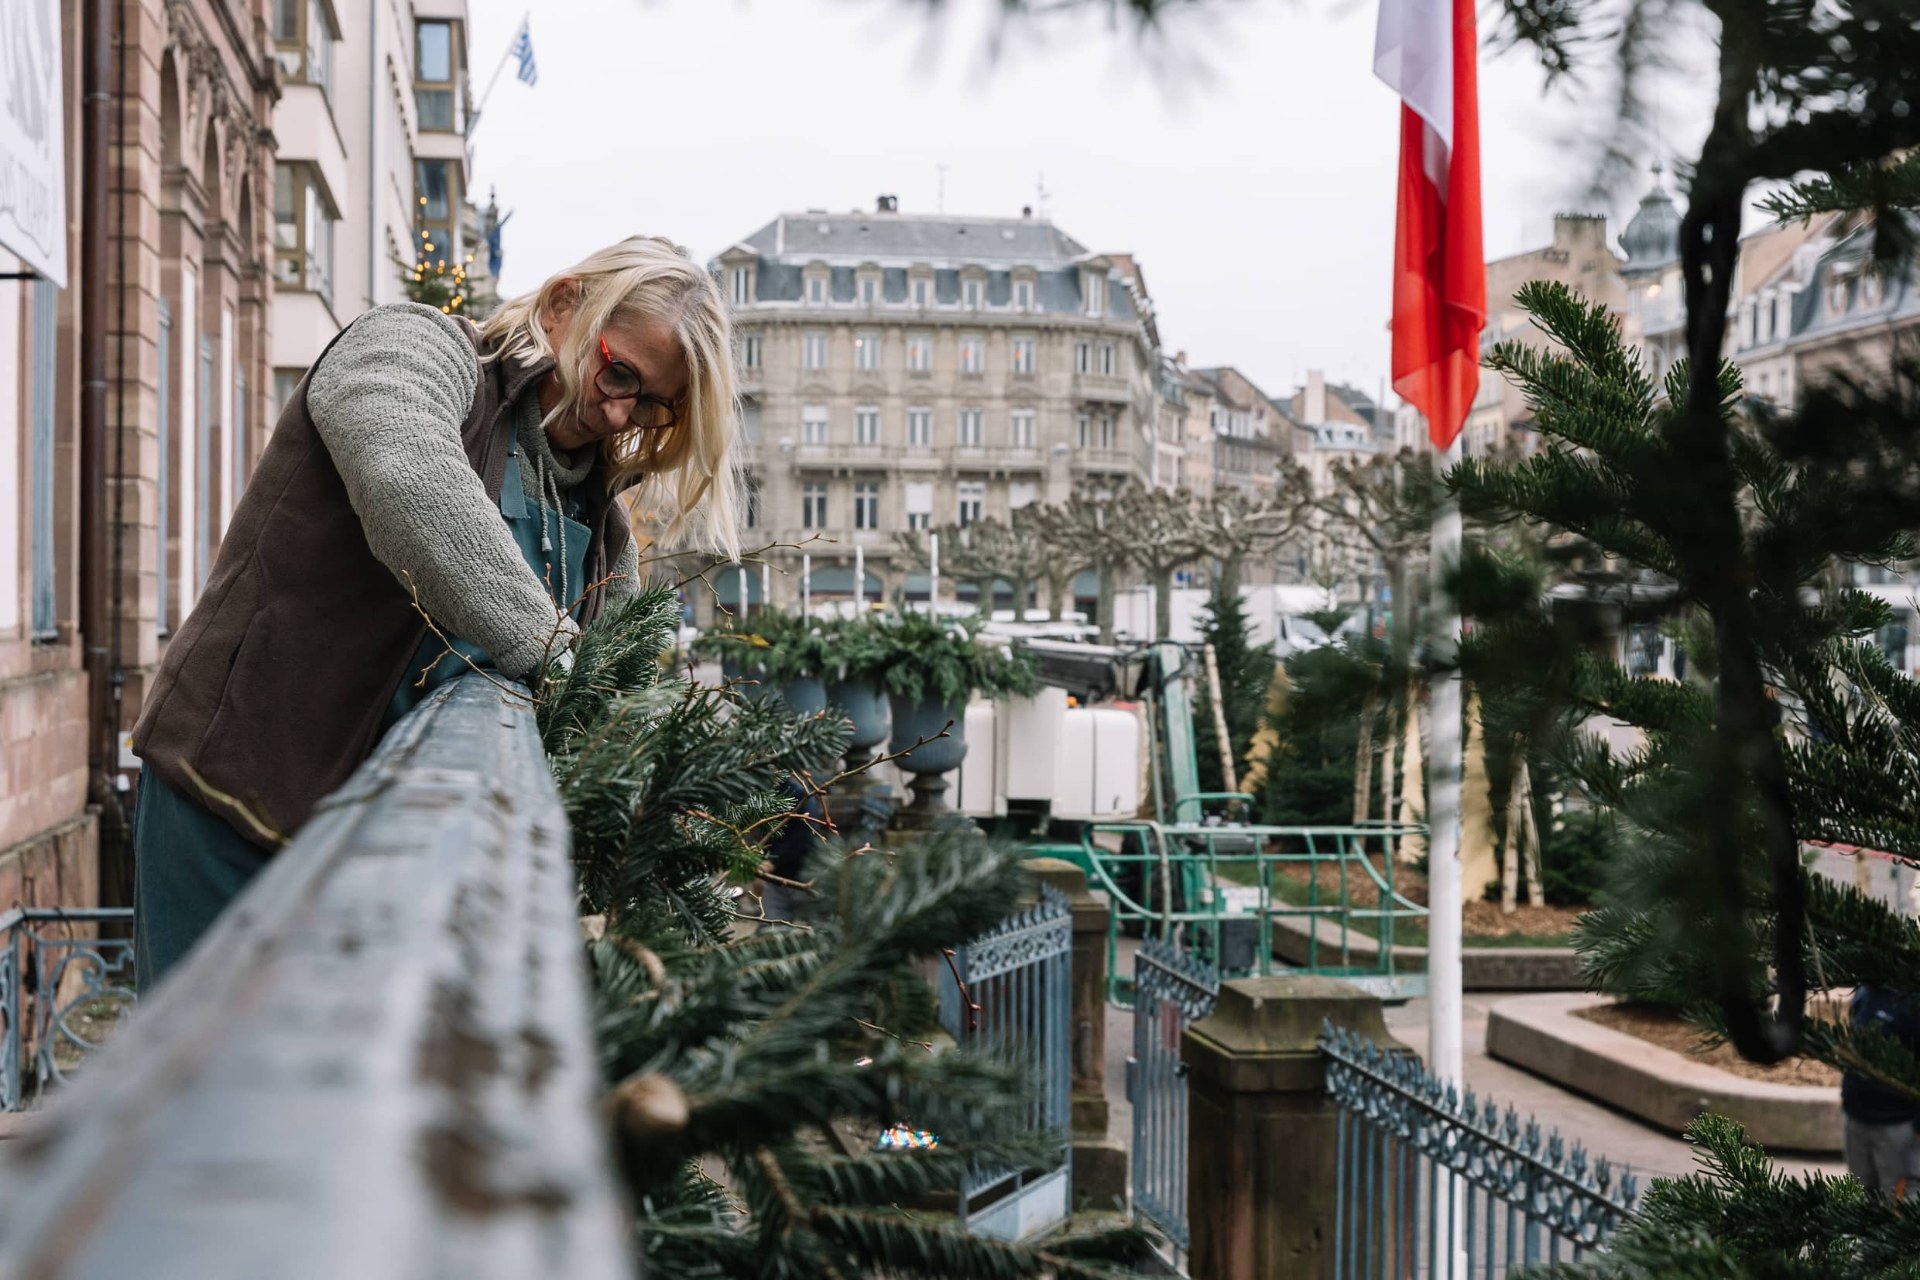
(1099, 1162)
(1261, 1131)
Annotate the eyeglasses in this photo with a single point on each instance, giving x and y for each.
(618, 380)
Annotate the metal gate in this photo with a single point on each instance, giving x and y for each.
(1018, 980)
(1434, 1186)
(1172, 989)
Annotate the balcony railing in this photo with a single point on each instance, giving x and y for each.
(840, 454)
(1103, 460)
(377, 1064)
(993, 457)
(63, 988)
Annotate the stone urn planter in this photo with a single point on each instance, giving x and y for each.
(865, 706)
(805, 694)
(930, 762)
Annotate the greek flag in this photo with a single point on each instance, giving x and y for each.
(523, 50)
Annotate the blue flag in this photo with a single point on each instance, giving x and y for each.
(523, 50)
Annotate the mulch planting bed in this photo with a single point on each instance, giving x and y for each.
(1483, 919)
(1669, 1031)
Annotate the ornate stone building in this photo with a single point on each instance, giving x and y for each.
(184, 253)
(906, 371)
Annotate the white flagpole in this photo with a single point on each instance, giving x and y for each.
(742, 571)
(1445, 1002)
(933, 577)
(806, 585)
(766, 586)
(859, 579)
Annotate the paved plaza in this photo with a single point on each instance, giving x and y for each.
(1604, 1131)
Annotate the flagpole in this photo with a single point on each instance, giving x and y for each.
(473, 117)
(933, 576)
(806, 585)
(1446, 1003)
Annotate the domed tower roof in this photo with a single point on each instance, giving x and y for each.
(1652, 239)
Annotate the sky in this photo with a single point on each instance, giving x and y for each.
(1247, 158)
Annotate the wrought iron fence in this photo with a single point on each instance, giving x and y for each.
(1171, 990)
(63, 988)
(1432, 1184)
(1017, 1008)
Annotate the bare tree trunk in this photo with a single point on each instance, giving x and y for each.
(1412, 782)
(1220, 722)
(1516, 829)
(1105, 607)
(1059, 591)
(1388, 745)
(1536, 887)
(1163, 604)
(1231, 566)
(1363, 764)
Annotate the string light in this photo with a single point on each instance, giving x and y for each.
(905, 1138)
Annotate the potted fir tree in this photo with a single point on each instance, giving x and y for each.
(930, 670)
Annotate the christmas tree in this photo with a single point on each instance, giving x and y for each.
(752, 1076)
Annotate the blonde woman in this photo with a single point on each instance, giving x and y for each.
(422, 469)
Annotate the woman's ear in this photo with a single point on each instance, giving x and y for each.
(561, 300)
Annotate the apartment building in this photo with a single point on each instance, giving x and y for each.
(372, 165)
(905, 371)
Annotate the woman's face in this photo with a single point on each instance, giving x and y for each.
(648, 348)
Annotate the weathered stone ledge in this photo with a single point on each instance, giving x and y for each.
(1482, 968)
(1541, 1034)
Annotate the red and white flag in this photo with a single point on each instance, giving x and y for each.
(1425, 51)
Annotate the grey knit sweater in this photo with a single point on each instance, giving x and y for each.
(388, 402)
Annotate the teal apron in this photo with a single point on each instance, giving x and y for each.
(189, 864)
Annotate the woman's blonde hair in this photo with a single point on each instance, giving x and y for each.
(681, 483)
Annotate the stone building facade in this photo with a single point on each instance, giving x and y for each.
(904, 371)
(187, 328)
(226, 272)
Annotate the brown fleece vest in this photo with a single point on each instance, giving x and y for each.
(274, 688)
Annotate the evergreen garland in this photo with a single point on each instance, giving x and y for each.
(748, 1074)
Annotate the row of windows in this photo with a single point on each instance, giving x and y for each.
(867, 292)
(970, 500)
(970, 423)
(1089, 358)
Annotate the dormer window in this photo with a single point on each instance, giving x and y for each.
(922, 292)
(1023, 295)
(973, 295)
(816, 291)
(742, 278)
(1094, 286)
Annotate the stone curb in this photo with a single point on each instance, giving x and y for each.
(1540, 1034)
(1482, 968)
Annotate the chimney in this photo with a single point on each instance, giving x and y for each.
(887, 204)
(1026, 211)
(1316, 397)
(1180, 359)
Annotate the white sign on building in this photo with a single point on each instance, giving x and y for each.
(33, 154)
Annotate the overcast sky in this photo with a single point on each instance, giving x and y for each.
(1249, 161)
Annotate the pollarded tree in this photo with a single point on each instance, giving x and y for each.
(1164, 533)
(1087, 531)
(1238, 526)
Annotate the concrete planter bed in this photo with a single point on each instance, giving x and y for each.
(1482, 968)
(1542, 1034)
